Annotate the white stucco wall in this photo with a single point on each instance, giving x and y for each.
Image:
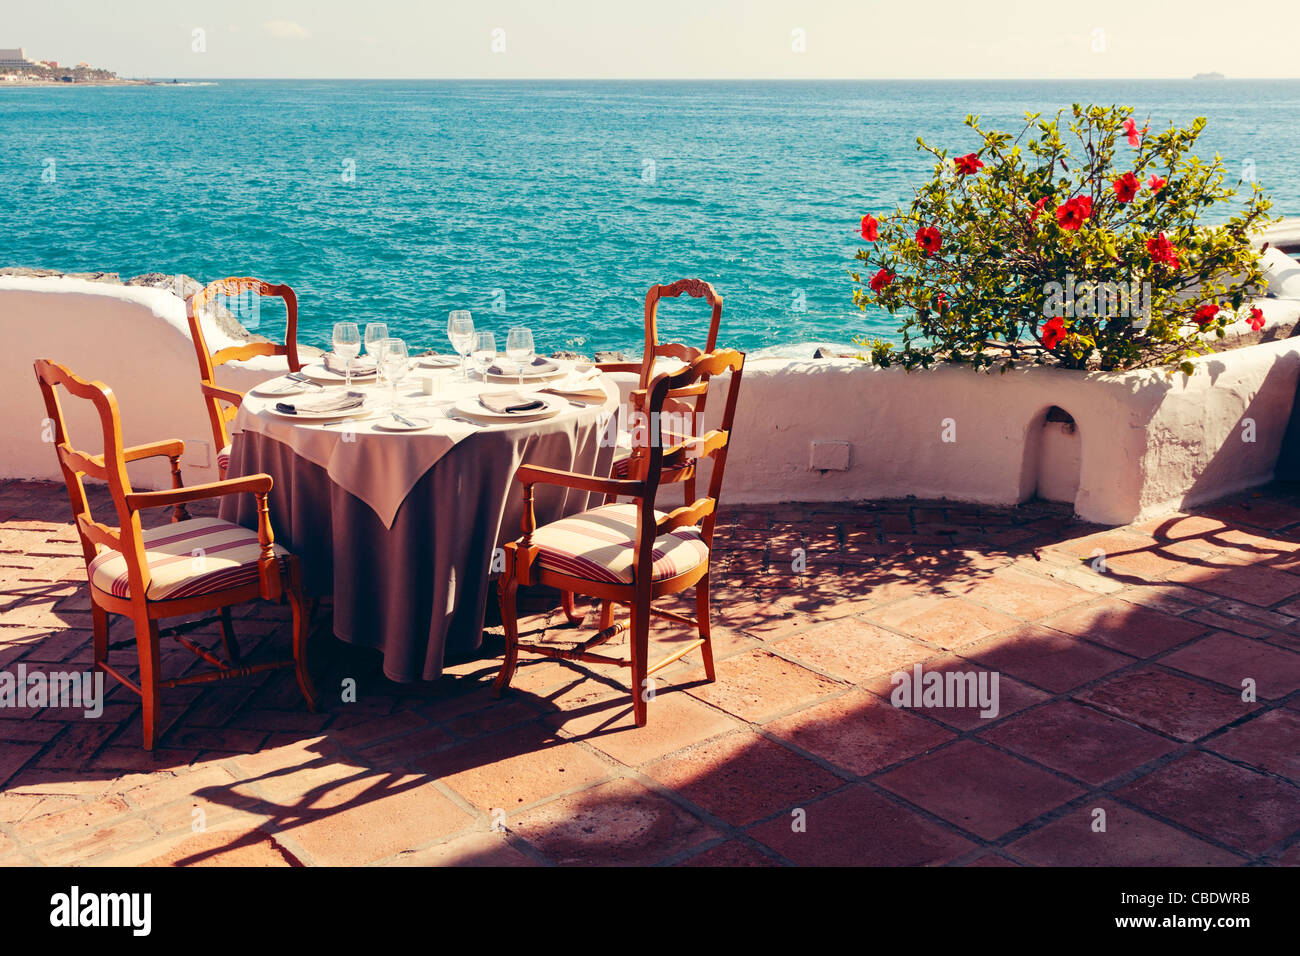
(1146, 442)
(136, 340)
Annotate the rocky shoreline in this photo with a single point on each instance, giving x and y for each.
(28, 83)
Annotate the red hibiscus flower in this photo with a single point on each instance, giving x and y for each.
(1131, 131)
(1072, 214)
(1256, 319)
(969, 164)
(1162, 250)
(1157, 183)
(928, 238)
(1038, 209)
(880, 280)
(1053, 332)
(870, 228)
(1126, 187)
(1206, 314)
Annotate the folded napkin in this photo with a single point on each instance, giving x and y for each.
(324, 404)
(581, 384)
(509, 402)
(360, 366)
(538, 364)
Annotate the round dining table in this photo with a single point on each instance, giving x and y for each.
(401, 518)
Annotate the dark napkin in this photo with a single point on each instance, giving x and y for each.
(343, 402)
(538, 364)
(509, 402)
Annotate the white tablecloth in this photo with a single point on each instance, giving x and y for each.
(381, 467)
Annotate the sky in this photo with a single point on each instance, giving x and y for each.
(662, 39)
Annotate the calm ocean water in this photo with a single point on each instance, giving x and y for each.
(548, 204)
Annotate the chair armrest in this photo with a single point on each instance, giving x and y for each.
(172, 448)
(633, 367)
(531, 475)
(537, 474)
(252, 484)
(224, 394)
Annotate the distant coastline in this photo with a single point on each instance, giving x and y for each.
(6, 82)
(19, 69)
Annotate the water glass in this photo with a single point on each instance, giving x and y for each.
(347, 346)
(460, 330)
(376, 332)
(519, 348)
(396, 361)
(484, 352)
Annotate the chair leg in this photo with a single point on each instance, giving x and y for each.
(702, 616)
(146, 641)
(99, 621)
(606, 614)
(507, 585)
(566, 603)
(640, 646)
(301, 631)
(228, 639)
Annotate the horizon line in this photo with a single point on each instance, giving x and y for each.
(737, 79)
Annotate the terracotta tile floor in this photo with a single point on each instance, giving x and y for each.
(1148, 712)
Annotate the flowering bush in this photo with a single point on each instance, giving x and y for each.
(1025, 251)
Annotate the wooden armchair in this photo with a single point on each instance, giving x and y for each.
(223, 403)
(679, 404)
(629, 554)
(190, 565)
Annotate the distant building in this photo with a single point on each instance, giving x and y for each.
(14, 58)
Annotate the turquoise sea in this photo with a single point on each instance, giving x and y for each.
(547, 204)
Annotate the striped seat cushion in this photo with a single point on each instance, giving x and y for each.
(597, 545)
(223, 459)
(186, 559)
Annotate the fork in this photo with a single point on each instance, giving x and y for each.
(467, 421)
(300, 379)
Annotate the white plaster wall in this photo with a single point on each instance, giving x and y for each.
(135, 340)
(1147, 442)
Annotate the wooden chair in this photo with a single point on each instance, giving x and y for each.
(629, 554)
(188, 566)
(223, 403)
(654, 349)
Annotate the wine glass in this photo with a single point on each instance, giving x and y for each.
(460, 329)
(347, 346)
(376, 332)
(396, 361)
(519, 348)
(484, 352)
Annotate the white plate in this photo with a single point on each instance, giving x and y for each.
(388, 423)
(438, 361)
(281, 388)
(469, 407)
(359, 412)
(317, 372)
